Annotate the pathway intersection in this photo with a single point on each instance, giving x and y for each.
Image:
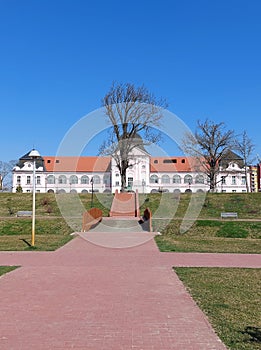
(90, 297)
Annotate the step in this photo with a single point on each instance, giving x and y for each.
(118, 225)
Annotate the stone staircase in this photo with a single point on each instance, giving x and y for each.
(118, 224)
(125, 204)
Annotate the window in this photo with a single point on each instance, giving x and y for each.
(199, 179)
(84, 179)
(233, 180)
(243, 180)
(50, 179)
(143, 166)
(117, 175)
(38, 180)
(28, 180)
(156, 161)
(188, 179)
(234, 191)
(48, 160)
(18, 179)
(223, 180)
(154, 179)
(130, 181)
(183, 161)
(96, 179)
(106, 179)
(62, 179)
(170, 161)
(73, 180)
(117, 183)
(57, 161)
(165, 179)
(176, 179)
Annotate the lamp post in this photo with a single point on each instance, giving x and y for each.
(92, 192)
(34, 154)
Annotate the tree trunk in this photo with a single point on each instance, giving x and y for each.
(123, 181)
(212, 180)
(124, 167)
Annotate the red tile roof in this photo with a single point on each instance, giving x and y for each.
(173, 164)
(77, 164)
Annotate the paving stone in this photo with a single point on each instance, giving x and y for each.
(84, 296)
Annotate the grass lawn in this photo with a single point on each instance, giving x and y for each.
(6, 269)
(50, 234)
(230, 298)
(210, 236)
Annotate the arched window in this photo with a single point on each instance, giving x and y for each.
(50, 179)
(199, 179)
(84, 179)
(165, 179)
(188, 179)
(106, 179)
(62, 179)
(154, 179)
(73, 179)
(176, 179)
(96, 179)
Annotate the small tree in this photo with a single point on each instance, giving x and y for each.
(130, 110)
(208, 145)
(244, 146)
(5, 172)
(19, 189)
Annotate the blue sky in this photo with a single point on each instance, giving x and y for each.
(59, 57)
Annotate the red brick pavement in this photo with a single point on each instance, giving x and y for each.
(92, 298)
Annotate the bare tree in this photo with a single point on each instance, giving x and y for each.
(5, 172)
(208, 145)
(244, 146)
(131, 111)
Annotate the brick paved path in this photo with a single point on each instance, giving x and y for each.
(88, 297)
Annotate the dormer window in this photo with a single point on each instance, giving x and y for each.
(170, 161)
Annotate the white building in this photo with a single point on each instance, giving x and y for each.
(146, 174)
